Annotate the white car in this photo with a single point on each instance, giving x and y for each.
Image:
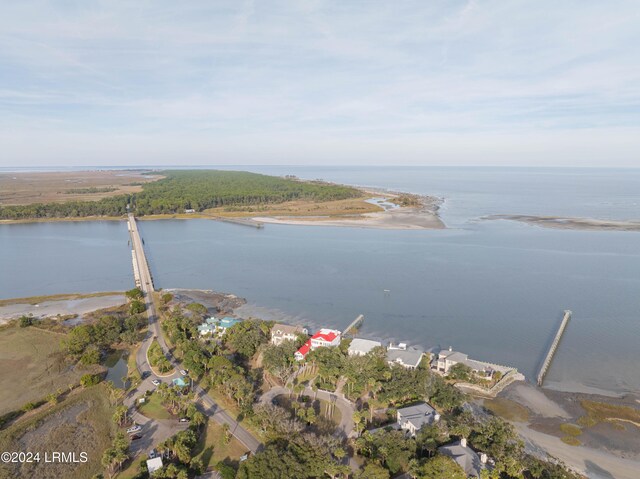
(133, 429)
(155, 382)
(184, 372)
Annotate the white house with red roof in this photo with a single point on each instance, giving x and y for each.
(323, 338)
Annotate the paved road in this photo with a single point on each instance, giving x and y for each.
(157, 430)
(345, 428)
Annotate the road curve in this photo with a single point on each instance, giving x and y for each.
(345, 428)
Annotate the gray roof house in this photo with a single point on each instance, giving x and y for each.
(409, 357)
(360, 347)
(412, 418)
(466, 457)
(286, 332)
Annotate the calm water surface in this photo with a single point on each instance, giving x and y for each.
(495, 290)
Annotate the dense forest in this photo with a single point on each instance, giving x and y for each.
(197, 190)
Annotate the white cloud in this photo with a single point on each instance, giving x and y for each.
(302, 82)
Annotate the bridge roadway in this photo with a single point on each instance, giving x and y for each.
(161, 430)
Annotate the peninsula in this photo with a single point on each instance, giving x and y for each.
(209, 194)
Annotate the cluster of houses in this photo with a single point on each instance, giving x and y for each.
(216, 327)
(412, 418)
(406, 356)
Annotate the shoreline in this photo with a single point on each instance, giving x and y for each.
(421, 217)
(569, 223)
(548, 408)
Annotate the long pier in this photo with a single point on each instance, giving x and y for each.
(554, 347)
(354, 324)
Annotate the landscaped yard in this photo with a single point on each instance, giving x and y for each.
(212, 448)
(154, 409)
(33, 366)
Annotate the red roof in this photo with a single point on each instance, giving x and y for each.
(304, 349)
(328, 337)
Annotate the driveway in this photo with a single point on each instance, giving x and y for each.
(347, 408)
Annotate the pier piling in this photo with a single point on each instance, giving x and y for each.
(554, 347)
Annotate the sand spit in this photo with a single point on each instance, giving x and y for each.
(559, 222)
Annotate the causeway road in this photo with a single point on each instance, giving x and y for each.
(157, 429)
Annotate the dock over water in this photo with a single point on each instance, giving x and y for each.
(355, 324)
(554, 346)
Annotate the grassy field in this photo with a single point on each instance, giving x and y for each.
(507, 409)
(600, 412)
(57, 187)
(212, 448)
(153, 408)
(351, 206)
(80, 423)
(32, 366)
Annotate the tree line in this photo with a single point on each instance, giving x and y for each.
(180, 190)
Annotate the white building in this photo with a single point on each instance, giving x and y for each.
(285, 332)
(407, 357)
(325, 338)
(361, 347)
(412, 418)
(154, 465)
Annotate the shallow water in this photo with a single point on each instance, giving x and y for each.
(495, 290)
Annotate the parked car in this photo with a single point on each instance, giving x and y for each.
(184, 419)
(135, 437)
(133, 429)
(155, 382)
(152, 453)
(184, 372)
(146, 374)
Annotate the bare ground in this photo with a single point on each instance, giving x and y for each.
(59, 187)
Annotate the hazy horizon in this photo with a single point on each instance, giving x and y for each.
(463, 83)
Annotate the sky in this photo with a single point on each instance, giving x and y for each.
(513, 83)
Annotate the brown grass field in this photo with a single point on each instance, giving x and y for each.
(81, 422)
(58, 187)
(32, 366)
(352, 206)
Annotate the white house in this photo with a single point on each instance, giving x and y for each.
(325, 338)
(286, 332)
(408, 357)
(361, 347)
(447, 358)
(154, 465)
(412, 418)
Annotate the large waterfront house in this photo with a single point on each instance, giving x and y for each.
(214, 326)
(412, 418)
(360, 346)
(408, 357)
(208, 327)
(447, 358)
(286, 332)
(465, 457)
(323, 338)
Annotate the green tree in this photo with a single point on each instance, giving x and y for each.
(437, 467)
(373, 471)
(25, 321)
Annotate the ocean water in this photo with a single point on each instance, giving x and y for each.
(493, 289)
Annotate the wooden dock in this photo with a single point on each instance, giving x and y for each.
(355, 324)
(554, 347)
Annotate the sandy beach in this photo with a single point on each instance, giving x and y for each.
(63, 307)
(606, 452)
(559, 222)
(423, 217)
